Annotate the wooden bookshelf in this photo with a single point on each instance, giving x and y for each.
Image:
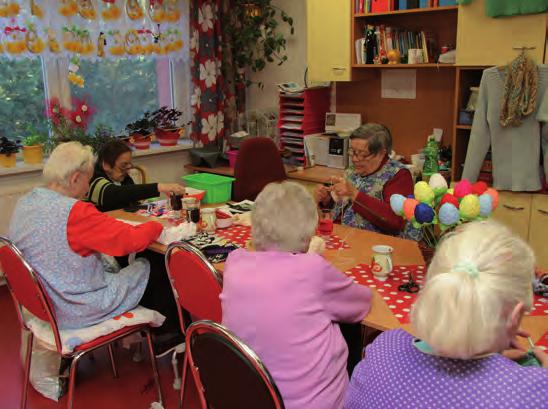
(409, 11)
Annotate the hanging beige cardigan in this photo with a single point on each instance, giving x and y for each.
(515, 151)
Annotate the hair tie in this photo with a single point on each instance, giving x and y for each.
(467, 266)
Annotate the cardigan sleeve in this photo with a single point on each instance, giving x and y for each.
(378, 211)
(343, 300)
(480, 138)
(109, 196)
(542, 117)
(90, 231)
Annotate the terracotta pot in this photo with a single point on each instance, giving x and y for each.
(33, 154)
(7, 160)
(168, 137)
(141, 141)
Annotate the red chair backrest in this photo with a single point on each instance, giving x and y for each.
(258, 163)
(23, 282)
(196, 282)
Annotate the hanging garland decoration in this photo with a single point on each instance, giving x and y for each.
(91, 30)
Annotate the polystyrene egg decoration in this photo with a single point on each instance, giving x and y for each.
(409, 208)
(494, 195)
(479, 188)
(438, 184)
(424, 213)
(448, 198)
(462, 189)
(469, 207)
(486, 205)
(423, 192)
(396, 203)
(448, 214)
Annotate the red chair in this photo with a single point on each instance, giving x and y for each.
(196, 287)
(228, 373)
(27, 291)
(258, 163)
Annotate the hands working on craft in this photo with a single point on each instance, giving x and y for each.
(337, 190)
(171, 188)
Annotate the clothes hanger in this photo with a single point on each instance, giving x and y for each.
(523, 48)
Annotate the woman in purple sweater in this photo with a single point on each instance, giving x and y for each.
(285, 303)
(478, 288)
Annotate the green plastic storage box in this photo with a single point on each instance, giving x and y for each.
(218, 188)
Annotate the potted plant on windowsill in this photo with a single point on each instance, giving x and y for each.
(8, 151)
(33, 146)
(166, 129)
(140, 131)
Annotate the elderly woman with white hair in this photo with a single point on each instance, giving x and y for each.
(63, 237)
(362, 197)
(477, 289)
(286, 303)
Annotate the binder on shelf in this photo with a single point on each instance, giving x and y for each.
(380, 6)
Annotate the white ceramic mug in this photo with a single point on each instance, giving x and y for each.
(381, 264)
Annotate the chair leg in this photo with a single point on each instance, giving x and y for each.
(112, 361)
(72, 379)
(183, 381)
(28, 357)
(154, 368)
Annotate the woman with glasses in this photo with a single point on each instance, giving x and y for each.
(111, 186)
(362, 198)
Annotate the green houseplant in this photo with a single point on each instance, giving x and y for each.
(254, 30)
(33, 146)
(165, 124)
(8, 151)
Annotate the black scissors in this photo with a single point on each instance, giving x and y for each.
(411, 286)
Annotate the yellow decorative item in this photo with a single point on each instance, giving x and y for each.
(7, 160)
(145, 38)
(116, 43)
(132, 43)
(423, 192)
(15, 40)
(394, 56)
(134, 10)
(34, 43)
(36, 10)
(101, 42)
(76, 79)
(86, 45)
(156, 11)
(53, 44)
(68, 8)
(86, 10)
(110, 10)
(172, 12)
(469, 207)
(33, 155)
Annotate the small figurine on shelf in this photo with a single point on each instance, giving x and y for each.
(394, 56)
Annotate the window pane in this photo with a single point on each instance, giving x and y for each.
(22, 98)
(120, 90)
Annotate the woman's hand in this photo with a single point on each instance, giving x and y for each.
(169, 188)
(322, 194)
(343, 188)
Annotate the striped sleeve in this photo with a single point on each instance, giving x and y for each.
(97, 190)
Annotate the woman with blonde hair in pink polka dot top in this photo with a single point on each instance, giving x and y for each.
(478, 287)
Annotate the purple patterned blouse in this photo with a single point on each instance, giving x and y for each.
(395, 374)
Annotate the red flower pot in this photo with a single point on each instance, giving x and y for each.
(168, 137)
(141, 141)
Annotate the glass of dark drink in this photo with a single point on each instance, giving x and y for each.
(191, 208)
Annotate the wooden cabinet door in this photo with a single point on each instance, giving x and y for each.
(328, 40)
(514, 210)
(538, 230)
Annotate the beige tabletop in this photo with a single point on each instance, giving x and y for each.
(406, 252)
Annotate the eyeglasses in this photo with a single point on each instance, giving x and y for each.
(125, 166)
(358, 154)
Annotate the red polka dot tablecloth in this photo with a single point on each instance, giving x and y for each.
(399, 302)
(543, 342)
(239, 235)
(539, 307)
(236, 234)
